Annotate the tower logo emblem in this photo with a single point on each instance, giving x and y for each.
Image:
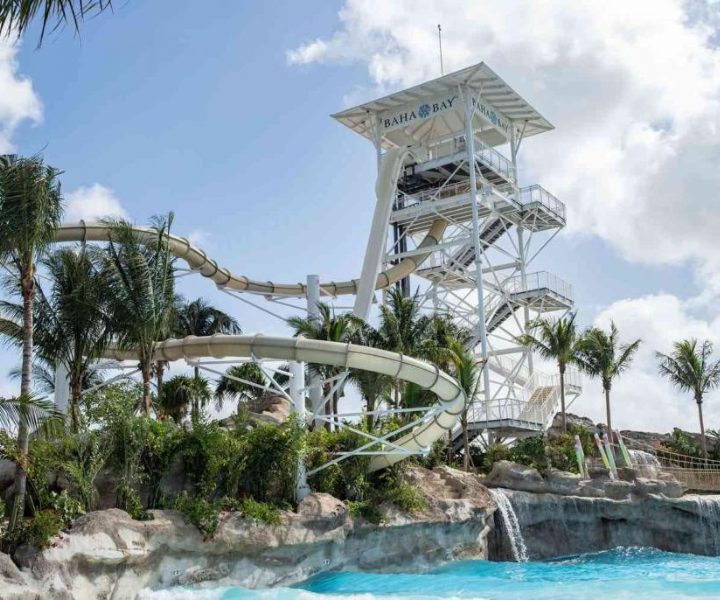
(424, 111)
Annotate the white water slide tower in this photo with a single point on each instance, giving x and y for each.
(459, 136)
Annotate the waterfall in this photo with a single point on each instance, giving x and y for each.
(709, 509)
(646, 464)
(511, 524)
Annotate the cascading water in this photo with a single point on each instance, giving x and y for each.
(709, 511)
(511, 524)
(646, 464)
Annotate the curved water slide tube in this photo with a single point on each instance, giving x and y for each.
(199, 261)
(451, 397)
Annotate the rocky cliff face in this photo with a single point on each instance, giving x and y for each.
(108, 555)
(553, 525)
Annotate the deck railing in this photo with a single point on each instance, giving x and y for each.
(484, 153)
(538, 281)
(538, 195)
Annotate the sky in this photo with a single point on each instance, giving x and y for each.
(223, 117)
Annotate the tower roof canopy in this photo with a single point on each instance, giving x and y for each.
(433, 109)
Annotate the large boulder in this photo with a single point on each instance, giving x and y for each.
(513, 476)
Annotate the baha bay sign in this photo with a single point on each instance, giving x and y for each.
(426, 109)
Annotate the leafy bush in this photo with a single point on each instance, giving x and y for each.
(83, 457)
(36, 531)
(536, 451)
(495, 453)
(162, 441)
(266, 468)
(67, 507)
(370, 511)
(260, 511)
(205, 515)
(207, 452)
(390, 486)
(344, 480)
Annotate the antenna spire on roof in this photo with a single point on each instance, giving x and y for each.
(442, 71)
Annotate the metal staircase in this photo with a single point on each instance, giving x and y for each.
(529, 414)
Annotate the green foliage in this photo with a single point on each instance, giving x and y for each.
(36, 531)
(260, 511)
(344, 480)
(162, 442)
(535, 452)
(370, 511)
(267, 466)
(207, 452)
(202, 513)
(64, 505)
(402, 495)
(683, 443)
(83, 457)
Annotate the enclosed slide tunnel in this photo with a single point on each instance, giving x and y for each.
(451, 396)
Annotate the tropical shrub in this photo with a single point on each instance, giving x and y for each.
(344, 480)
(266, 468)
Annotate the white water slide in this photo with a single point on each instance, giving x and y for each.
(428, 428)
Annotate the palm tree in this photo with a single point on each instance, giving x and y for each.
(600, 354)
(228, 386)
(140, 275)
(691, 369)
(74, 325)
(556, 340)
(30, 212)
(198, 317)
(468, 372)
(372, 386)
(403, 329)
(16, 15)
(182, 391)
(329, 327)
(37, 415)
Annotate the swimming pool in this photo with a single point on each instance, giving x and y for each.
(621, 574)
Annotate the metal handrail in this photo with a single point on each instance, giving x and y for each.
(536, 194)
(484, 153)
(537, 281)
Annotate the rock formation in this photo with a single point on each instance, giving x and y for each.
(107, 554)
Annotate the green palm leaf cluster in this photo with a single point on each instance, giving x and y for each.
(141, 277)
(74, 322)
(601, 355)
(556, 340)
(690, 368)
(16, 15)
(182, 392)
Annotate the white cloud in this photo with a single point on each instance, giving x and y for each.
(18, 100)
(92, 203)
(641, 399)
(633, 88)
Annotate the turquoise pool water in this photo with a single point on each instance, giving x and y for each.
(622, 574)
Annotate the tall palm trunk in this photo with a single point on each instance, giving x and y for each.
(562, 398)
(75, 394)
(699, 401)
(146, 377)
(609, 413)
(466, 440)
(160, 375)
(23, 439)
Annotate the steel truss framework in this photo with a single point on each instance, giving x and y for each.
(496, 229)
